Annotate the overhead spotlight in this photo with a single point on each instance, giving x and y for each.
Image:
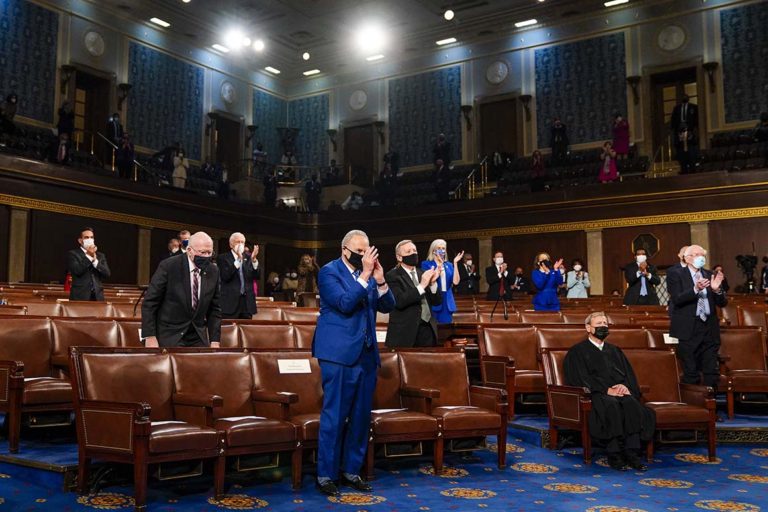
(220, 47)
(445, 41)
(305, 55)
(234, 39)
(272, 70)
(449, 14)
(246, 41)
(371, 38)
(374, 57)
(258, 45)
(158, 21)
(526, 23)
(615, 2)
(186, 1)
(311, 72)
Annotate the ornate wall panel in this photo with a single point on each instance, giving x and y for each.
(269, 113)
(310, 116)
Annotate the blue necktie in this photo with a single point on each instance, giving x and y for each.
(643, 287)
(242, 279)
(702, 305)
(356, 274)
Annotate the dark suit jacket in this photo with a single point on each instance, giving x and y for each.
(230, 283)
(682, 295)
(632, 294)
(469, 282)
(167, 308)
(84, 276)
(692, 117)
(404, 319)
(492, 278)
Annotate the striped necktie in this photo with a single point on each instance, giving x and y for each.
(195, 288)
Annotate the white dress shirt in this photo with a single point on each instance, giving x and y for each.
(94, 260)
(239, 261)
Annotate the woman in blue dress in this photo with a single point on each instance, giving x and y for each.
(447, 280)
(547, 277)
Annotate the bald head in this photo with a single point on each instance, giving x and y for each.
(200, 244)
(693, 252)
(681, 254)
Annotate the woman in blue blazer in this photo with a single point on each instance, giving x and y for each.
(547, 277)
(449, 278)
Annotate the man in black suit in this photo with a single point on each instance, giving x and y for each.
(236, 273)
(642, 280)
(442, 151)
(519, 283)
(174, 248)
(685, 112)
(498, 278)
(87, 267)
(469, 280)
(181, 307)
(411, 323)
(695, 292)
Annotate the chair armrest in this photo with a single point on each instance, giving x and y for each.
(281, 397)
(113, 426)
(570, 403)
(12, 380)
(576, 390)
(695, 394)
(140, 410)
(196, 409)
(273, 404)
(418, 399)
(413, 391)
(500, 394)
(645, 389)
(197, 400)
(723, 358)
(493, 399)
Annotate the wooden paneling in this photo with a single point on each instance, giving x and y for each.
(52, 235)
(5, 221)
(520, 250)
(617, 249)
(498, 127)
(730, 238)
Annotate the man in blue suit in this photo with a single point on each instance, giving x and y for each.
(352, 289)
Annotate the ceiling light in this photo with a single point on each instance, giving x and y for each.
(272, 70)
(374, 57)
(371, 38)
(449, 14)
(162, 23)
(526, 23)
(311, 72)
(615, 2)
(445, 41)
(186, 1)
(220, 47)
(234, 39)
(258, 45)
(305, 55)
(246, 41)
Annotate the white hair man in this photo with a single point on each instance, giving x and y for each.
(237, 271)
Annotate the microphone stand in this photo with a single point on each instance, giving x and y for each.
(138, 301)
(503, 298)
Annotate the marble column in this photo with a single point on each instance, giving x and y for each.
(143, 272)
(485, 254)
(17, 244)
(700, 236)
(595, 261)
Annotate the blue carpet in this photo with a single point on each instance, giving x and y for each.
(536, 479)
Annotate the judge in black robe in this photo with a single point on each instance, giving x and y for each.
(618, 419)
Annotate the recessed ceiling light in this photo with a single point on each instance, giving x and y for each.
(615, 2)
(311, 72)
(258, 45)
(305, 55)
(186, 1)
(445, 41)
(158, 21)
(371, 38)
(272, 70)
(374, 57)
(526, 23)
(449, 14)
(246, 41)
(220, 47)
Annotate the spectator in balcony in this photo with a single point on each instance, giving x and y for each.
(7, 113)
(125, 156)
(537, 171)
(761, 130)
(547, 278)
(392, 158)
(270, 189)
(308, 270)
(685, 113)
(62, 150)
(259, 157)
(559, 141)
(577, 281)
(332, 174)
(608, 169)
(387, 186)
(222, 182)
(353, 202)
(448, 278)
(442, 178)
(620, 136)
(313, 189)
(180, 168)
(66, 122)
(442, 151)
(685, 146)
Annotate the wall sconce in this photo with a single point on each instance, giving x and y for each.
(66, 74)
(380, 130)
(710, 68)
(122, 93)
(634, 83)
(525, 99)
(332, 135)
(212, 117)
(467, 110)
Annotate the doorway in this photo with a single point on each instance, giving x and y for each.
(92, 112)
(360, 154)
(498, 127)
(229, 146)
(667, 90)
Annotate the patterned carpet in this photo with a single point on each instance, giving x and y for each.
(536, 479)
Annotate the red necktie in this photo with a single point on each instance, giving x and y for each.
(195, 287)
(501, 283)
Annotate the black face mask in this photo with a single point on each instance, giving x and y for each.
(411, 259)
(355, 259)
(184, 243)
(601, 332)
(519, 274)
(547, 264)
(201, 262)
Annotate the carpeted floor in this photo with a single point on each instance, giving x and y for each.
(535, 479)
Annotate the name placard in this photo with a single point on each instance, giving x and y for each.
(293, 366)
(381, 336)
(669, 340)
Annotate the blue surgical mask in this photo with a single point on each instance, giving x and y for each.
(699, 261)
(440, 252)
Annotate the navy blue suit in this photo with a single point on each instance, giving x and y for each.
(345, 345)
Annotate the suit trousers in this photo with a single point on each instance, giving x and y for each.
(346, 415)
(241, 311)
(698, 354)
(191, 339)
(425, 336)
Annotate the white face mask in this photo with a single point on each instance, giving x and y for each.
(699, 261)
(641, 258)
(275, 280)
(499, 261)
(239, 248)
(88, 242)
(469, 263)
(577, 268)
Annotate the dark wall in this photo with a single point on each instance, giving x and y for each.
(617, 249)
(158, 246)
(52, 235)
(5, 225)
(729, 238)
(520, 250)
(281, 258)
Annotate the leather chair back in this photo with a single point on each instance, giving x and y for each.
(466, 317)
(744, 347)
(28, 340)
(556, 337)
(308, 386)
(541, 317)
(729, 313)
(629, 337)
(12, 310)
(446, 371)
(304, 333)
(82, 333)
(498, 316)
(656, 337)
(658, 370)
(269, 313)
(552, 362)
(125, 310)
(752, 315)
(43, 308)
(129, 378)
(571, 316)
(622, 317)
(128, 332)
(230, 336)
(300, 314)
(308, 300)
(387, 395)
(231, 378)
(266, 336)
(516, 341)
(87, 308)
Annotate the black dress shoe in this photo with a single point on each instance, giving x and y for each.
(635, 462)
(328, 488)
(616, 461)
(356, 483)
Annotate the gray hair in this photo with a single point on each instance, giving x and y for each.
(594, 314)
(400, 244)
(235, 234)
(689, 250)
(352, 234)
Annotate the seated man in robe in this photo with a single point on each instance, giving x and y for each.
(618, 420)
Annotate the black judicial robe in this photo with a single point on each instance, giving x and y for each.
(587, 366)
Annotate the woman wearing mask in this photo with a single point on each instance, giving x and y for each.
(273, 284)
(608, 170)
(180, 167)
(546, 277)
(448, 279)
(577, 281)
(308, 270)
(290, 284)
